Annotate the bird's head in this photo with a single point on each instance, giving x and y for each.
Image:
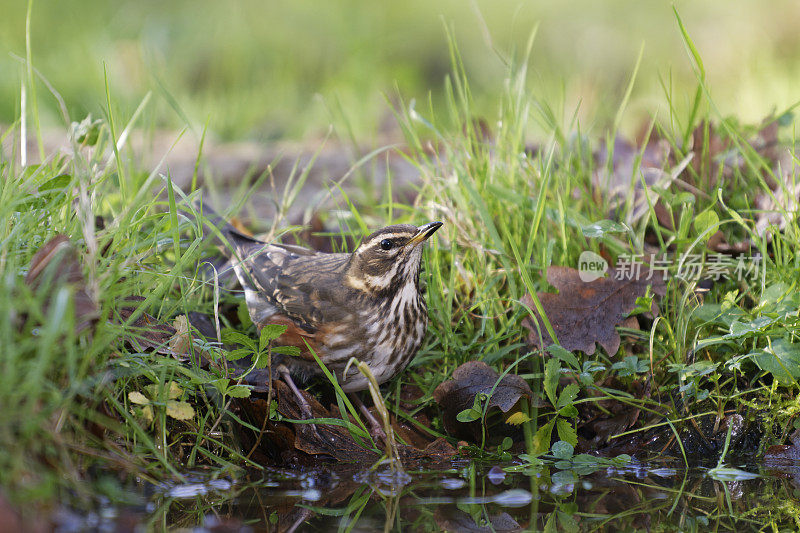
(389, 258)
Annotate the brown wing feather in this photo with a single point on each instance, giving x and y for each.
(303, 285)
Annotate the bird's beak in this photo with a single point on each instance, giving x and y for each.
(423, 232)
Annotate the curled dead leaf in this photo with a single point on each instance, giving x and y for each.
(473, 378)
(180, 343)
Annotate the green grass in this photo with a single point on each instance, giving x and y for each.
(509, 215)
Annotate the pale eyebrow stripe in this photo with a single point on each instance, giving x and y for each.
(379, 238)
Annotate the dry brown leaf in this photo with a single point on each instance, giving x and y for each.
(10, 519)
(450, 518)
(784, 454)
(585, 313)
(180, 344)
(470, 379)
(146, 332)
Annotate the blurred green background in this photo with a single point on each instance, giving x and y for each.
(288, 70)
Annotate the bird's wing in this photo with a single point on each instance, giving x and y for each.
(291, 281)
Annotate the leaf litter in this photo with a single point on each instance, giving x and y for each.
(288, 439)
(584, 313)
(471, 381)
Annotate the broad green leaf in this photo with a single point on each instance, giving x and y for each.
(238, 391)
(221, 384)
(601, 227)
(562, 449)
(644, 304)
(566, 432)
(269, 333)
(475, 412)
(551, 526)
(517, 418)
(741, 329)
(715, 314)
(293, 351)
(552, 371)
(705, 224)
(262, 359)
(541, 441)
(631, 365)
(57, 183)
(564, 478)
(238, 353)
(568, 395)
(773, 294)
(782, 360)
(565, 355)
(468, 415)
(568, 411)
(232, 336)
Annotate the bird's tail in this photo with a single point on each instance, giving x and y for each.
(217, 226)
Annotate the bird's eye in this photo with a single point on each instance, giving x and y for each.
(386, 244)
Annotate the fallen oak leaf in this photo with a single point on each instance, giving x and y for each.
(469, 380)
(585, 313)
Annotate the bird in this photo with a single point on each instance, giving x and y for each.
(367, 304)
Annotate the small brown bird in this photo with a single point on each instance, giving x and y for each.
(366, 304)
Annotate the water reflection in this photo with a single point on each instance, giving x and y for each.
(477, 498)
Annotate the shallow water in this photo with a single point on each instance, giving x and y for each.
(481, 497)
